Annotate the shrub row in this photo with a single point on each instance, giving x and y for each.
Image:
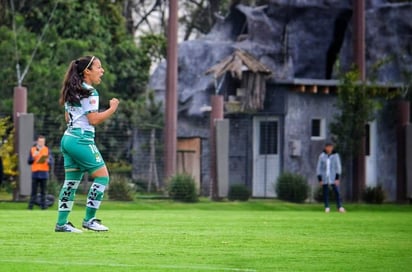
(289, 187)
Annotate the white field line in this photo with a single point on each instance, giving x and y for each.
(194, 267)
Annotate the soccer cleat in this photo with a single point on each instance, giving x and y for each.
(95, 224)
(68, 227)
(342, 210)
(327, 210)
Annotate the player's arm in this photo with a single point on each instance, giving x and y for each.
(30, 159)
(319, 170)
(96, 118)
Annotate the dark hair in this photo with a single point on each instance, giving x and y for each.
(72, 90)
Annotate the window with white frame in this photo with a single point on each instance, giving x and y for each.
(318, 129)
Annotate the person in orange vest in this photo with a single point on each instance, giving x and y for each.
(40, 159)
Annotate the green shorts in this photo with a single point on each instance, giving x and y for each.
(80, 152)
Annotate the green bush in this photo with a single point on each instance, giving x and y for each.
(292, 187)
(238, 192)
(53, 187)
(141, 185)
(319, 194)
(121, 188)
(374, 195)
(182, 187)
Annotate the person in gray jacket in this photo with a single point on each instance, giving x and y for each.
(328, 170)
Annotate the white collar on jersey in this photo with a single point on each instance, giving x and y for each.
(89, 87)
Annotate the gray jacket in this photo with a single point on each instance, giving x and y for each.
(335, 168)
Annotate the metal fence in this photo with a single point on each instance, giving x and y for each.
(132, 153)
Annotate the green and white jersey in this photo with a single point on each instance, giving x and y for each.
(77, 112)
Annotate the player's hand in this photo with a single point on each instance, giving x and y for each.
(114, 103)
(337, 182)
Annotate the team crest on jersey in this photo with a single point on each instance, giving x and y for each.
(92, 101)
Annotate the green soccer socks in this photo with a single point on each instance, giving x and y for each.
(95, 196)
(67, 194)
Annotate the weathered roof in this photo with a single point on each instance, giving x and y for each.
(237, 63)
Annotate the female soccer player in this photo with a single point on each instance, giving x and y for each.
(81, 103)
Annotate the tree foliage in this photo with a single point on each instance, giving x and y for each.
(357, 106)
(102, 28)
(76, 28)
(196, 17)
(7, 153)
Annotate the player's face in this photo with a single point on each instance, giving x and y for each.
(41, 142)
(95, 72)
(329, 149)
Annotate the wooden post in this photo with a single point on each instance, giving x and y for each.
(19, 106)
(170, 131)
(359, 36)
(359, 164)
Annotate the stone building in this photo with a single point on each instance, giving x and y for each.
(300, 43)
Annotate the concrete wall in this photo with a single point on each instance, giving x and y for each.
(198, 127)
(241, 136)
(240, 150)
(301, 109)
(386, 153)
(295, 112)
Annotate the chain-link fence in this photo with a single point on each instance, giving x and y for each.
(130, 153)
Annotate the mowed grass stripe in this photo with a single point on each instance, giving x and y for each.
(201, 239)
(129, 266)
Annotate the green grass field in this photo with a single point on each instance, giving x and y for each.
(260, 235)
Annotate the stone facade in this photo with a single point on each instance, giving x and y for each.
(295, 39)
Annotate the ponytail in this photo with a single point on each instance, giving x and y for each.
(72, 90)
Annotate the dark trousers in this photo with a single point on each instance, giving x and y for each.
(326, 195)
(34, 184)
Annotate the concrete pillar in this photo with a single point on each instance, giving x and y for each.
(25, 142)
(216, 114)
(222, 157)
(401, 163)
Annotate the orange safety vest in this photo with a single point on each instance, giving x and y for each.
(41, 160)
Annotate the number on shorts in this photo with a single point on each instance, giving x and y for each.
(93, 148)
